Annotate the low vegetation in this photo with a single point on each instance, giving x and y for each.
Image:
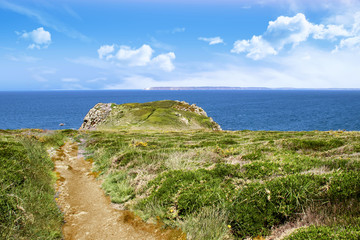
(27, 206)
(211, 184)
(234, 185)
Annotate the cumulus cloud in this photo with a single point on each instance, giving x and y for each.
(330, 32)
(137, 57)
(212, 41)
(164, 61)
(105, 51)
(40, 38)
(256, 48)
(289, 31)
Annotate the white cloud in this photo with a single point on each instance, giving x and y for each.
(256, 48)
(70, 80)
(137, 57)
(330, 32)
(105, 51)
(212, 41)
(164, 61)
(40, 37)
(349, 43)
(288, 31)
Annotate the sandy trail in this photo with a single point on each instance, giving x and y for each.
(88, 212)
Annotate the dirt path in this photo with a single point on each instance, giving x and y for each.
(88, 212)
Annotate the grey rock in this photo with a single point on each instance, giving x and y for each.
(96, 116)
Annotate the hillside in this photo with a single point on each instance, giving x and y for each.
(235, 185)
(159, 115)
(211, 184)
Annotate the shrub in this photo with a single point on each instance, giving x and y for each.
(312, 144)
(118, 187)
(207, 223)
(325, 233)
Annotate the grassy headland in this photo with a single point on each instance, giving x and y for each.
(164, 115)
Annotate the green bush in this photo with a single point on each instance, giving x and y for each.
(326, 233)
(344, 186)
(258, 206)
(312, 144)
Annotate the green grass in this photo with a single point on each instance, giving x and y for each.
(259, 180)
(326, 232)
(207, 223)
(27, 206)
(213, 185)
(117, 186)
(158, 115)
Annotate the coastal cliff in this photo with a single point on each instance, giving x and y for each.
(159, 115)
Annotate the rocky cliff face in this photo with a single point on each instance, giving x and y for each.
(96, 116)
(159, 115)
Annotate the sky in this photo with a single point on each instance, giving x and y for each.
(137, 44)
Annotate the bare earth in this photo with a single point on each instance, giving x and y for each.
(88, 212)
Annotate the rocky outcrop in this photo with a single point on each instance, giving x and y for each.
(215, 125)
(160, 115)
(184, 106)
(96, 116)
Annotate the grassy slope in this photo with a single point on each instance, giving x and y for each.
(214, 185)
(218, 185)
(160, 115)
(27, 206)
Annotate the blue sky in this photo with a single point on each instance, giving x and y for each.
(108, 44)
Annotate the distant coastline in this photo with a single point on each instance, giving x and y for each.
(241, 88)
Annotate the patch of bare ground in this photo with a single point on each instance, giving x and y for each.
(88, 212)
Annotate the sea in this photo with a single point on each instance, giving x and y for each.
(278, 110)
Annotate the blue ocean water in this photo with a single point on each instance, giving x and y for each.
(293, 110)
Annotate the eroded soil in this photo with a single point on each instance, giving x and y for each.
(88, 212)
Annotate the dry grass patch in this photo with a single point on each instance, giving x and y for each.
(190, 160)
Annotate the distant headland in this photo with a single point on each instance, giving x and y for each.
(242, 88)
